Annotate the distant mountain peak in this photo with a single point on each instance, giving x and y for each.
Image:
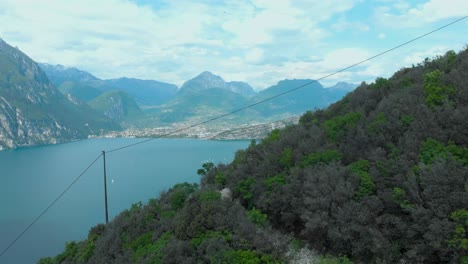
(210, 77)
(208, 80)
(345, 86)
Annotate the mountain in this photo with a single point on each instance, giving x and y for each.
(343, 86)
(59, 74)
(33, 111)
(86, 86)
(117, 105)
(80, 91)
(311, 95)
(69, 80)
(207, 80)
(377, 177)
(145, 92)
(242, 88)
(199, 104)
(208, 95)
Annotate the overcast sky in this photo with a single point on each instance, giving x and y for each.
(257, 41)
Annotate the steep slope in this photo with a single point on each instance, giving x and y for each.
(33, 111)
(379, 177)
(80, 91)
(118, 106)
(59, 74)
(69, 80)
(145, 92)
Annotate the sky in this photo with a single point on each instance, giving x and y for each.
(255, 41)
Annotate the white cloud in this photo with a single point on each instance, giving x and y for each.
(382, 36)
(406, 15)
(342, 24)
(418, 56)
(254, 55)
(258, 41)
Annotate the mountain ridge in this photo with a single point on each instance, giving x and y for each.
(33, 111)
(377, 177)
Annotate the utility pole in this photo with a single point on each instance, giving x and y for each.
(105, 185)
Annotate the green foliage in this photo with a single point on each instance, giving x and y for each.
(198, 240)
(407, 120)
(406, 83)
(399, 195)
(366, 185)
(286, 159)
(178, 199)
(71, 250)
(451, 57)
(244, 188)
(377, 123)
(308, 118)
(432, 149)
(338, 124)
(246, 257)
(274, 136)
(380, 83)
(296, 245)
(206, 167)
(459, 236)
(334, 260)
(143, 246)
(393, 151)
(275, 181)
(180, 192)
(325, 157)
(86, 251)
(210, 196)
(436, 92)
(220, 178)
(257, 217)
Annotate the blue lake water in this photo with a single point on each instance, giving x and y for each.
(31, 178)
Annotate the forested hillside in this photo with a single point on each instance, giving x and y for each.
(378, 177)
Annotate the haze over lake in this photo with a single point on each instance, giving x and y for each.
(31, 178)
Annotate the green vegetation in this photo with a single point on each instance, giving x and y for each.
(377, 123)
(379, 177)
(325, 157)
(117, 105)
(275, 181)
(337, 126)
(436, 92)
(432, 149)
(366, 185)
(257, 217)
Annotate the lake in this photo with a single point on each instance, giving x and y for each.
(31, 178)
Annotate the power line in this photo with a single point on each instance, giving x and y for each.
(288, 91)
(50, 206)
(219, 117)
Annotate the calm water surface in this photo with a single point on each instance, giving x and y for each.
(31, 178)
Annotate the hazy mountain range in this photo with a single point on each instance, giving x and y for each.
(206, 95)
(43, 103)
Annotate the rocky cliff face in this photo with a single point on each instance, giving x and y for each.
(33, 111)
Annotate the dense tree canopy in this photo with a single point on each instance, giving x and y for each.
(378, 177)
